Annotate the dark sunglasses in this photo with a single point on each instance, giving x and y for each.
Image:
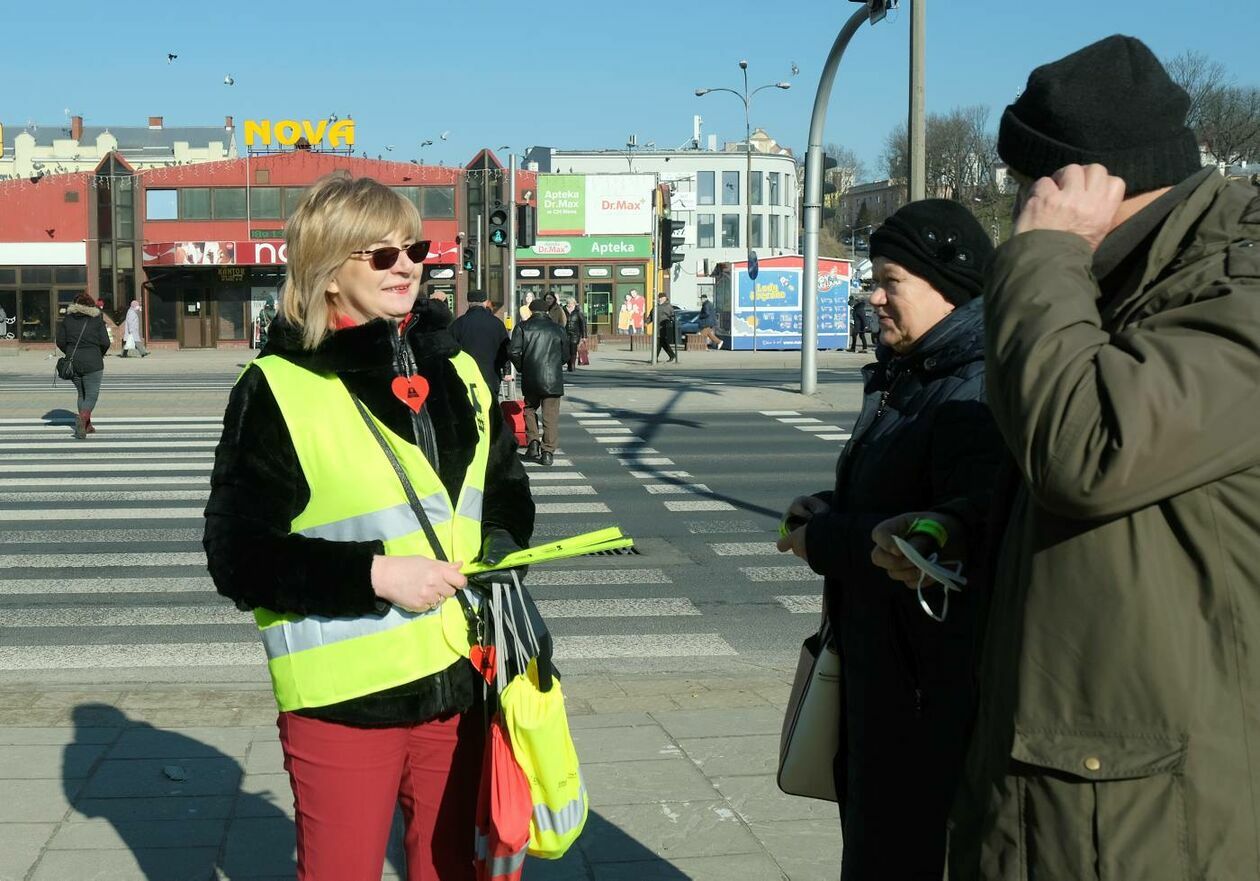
(385, 258)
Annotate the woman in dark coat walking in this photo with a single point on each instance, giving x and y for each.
(575, 327)
(82, 336)
(925, 440)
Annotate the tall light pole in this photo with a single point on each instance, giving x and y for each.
(916, 129)
(746, 97)
(872, 11)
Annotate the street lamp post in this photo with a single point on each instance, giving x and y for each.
(746, 97)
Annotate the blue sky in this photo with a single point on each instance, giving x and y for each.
(569, 74)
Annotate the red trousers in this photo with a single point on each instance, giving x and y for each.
(346, 782)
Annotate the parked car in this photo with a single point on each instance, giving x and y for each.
(688, 321)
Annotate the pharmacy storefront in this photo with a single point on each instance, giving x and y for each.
(594, 244)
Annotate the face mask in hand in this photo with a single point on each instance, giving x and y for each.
(948, 574)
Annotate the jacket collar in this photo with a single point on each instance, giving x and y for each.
(370, 346)
(958, 338)
(76, 309)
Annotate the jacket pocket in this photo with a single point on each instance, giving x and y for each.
(1113, 802)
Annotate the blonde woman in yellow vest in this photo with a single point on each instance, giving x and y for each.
(310, 527)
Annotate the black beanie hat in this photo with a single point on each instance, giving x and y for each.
(940, 241)
(1111, 103)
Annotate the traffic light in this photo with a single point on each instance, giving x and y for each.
(828, 182)
(469, 261)
(672, 232)
(499, 225)
(526, 226)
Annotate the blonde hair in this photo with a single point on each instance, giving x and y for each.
(337, 215)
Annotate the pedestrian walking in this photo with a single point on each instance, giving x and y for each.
(82, 337)
(554, 310)
(539, 350)
(1117, 725)
(266, 315)
(707, 322)
(663, 316)
(924, 441)
(575, 327)
(133, 334)
(482, 335)
(860, 323)
(360, 408)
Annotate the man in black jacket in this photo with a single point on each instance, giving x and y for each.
(540, 349)
(483, 336)
(575, 327)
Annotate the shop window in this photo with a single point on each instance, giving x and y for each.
(37, 275)
(597, 272)
(730, 188)
(704, 188)
(292, 196)
(125, 257)
(8, 275)
(36, 325)
(8, 315)
(730, 230)
(229, 203)
(529, 272)
(776, 240)
(563, 272)
(757, 239)
(755, 182)
(438, 203)
(161, 205)
(162, 306)
(705, 237)
(69, 275)
(194, 203)
(629, 271)
(411, 194)
(264, 202)
(235, 321)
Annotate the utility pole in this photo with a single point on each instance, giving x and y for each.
(917, 124)
(873, 10)
(509, 298)
(477, 245)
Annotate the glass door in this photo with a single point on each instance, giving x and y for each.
(597, 304)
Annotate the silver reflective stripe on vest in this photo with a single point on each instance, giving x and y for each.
(314, 631)
(470, 505)
(500, 866)
(385, 524)
(563, 821)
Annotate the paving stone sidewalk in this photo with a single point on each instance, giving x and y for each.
(158, 782)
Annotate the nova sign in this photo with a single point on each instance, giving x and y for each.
(288, 132)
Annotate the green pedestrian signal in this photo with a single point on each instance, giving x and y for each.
(499, 236)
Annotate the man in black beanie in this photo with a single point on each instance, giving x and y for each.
(1118, 731)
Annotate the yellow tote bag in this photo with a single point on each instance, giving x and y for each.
(538, 727)
(537, 724)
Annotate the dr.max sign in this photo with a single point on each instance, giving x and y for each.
(287, 132)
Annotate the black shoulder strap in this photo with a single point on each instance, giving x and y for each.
(412, 499)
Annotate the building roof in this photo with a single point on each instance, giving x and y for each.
(131, 138)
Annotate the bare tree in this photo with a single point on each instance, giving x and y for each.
(849, 168)
(1201, 77)
(961, 152)
(1229, 125)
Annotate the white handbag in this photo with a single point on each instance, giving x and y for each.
(129, 343)
(811, 725)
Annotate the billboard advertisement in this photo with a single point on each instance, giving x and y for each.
(595, 204)
(766, 311)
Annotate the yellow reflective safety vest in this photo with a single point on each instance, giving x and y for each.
(356, 496)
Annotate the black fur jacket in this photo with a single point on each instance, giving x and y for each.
(257, 488)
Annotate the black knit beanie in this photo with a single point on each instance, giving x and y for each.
(940, 241)
(1111, 103)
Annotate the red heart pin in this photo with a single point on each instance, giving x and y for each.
(483, 660)
(411, 390)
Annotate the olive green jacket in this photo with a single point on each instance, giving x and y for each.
(1122, 649)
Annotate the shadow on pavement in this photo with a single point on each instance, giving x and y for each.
(59, 416)
(177, 804)
(170, 798)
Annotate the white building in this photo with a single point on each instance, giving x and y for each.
(711, 195)
(31, 150)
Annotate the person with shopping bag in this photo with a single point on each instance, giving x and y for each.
(362, 462)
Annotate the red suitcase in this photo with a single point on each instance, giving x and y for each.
(514, 416)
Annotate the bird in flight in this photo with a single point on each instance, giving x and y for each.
(795, 69)
(228, 81)
(170, 56)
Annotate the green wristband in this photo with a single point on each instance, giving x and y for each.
(932, 528)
